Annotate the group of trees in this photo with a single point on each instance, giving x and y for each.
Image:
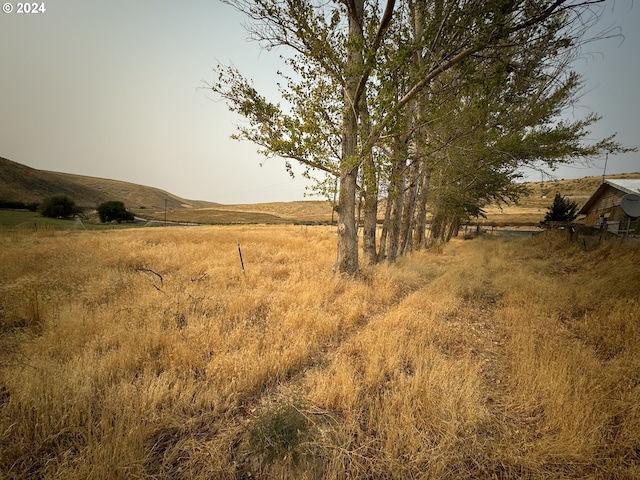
(62, 206)
(114, 211)
(416, 107)
(58, 206)
(18, 205)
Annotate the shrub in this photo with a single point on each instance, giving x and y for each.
(14, 205)
(562, 210)
(114, 211)
(58, 206)
(278, 430)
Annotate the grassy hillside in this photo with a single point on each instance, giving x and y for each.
(149, 354)
(21, 183)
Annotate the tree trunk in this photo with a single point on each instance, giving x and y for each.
(454, 228)
(370, 213)
(347, 230)
(382, 252)
(347, 262)
(370, 188)
(437, 226)
(397, 197)
(408, 209)
(421, 215)
(424, 173)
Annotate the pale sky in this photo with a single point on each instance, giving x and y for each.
(113, 89)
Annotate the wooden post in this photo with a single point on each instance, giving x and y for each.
(240, 253)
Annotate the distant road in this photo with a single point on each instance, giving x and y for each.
(162, 223)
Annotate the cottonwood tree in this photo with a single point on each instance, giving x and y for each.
(494, 113)
(114, 211)
(58, 206)
(366, 76)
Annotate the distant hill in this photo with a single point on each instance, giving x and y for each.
(25, 184)
(532, 208)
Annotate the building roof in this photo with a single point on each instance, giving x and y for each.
(625, 185)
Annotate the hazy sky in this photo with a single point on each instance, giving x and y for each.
(113, 89)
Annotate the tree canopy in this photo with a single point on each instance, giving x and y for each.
(433, 107)
(114, 211)
(561, 210)
(58, 206)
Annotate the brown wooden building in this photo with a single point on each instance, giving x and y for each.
(603, 208)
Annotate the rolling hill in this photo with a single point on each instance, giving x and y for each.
(25, 184)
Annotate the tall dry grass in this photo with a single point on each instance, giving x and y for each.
(149, 354)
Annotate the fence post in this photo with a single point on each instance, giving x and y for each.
(240, 253)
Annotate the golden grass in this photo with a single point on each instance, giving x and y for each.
(515, 215)
(310, 211)
(149, 354)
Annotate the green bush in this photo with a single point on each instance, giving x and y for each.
(114, 211)
(562, 210)
(278, 430)
(13, 205)
(58, 206)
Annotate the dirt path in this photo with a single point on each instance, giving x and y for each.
(510, 431)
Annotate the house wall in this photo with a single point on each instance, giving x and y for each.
(608, 205)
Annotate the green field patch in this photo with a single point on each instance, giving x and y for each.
(25, 220)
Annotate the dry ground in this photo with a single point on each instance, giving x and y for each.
(310, 211)
(149, 354)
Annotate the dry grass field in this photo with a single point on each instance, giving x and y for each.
(310, 211)
(148, 353)
(22, 183)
